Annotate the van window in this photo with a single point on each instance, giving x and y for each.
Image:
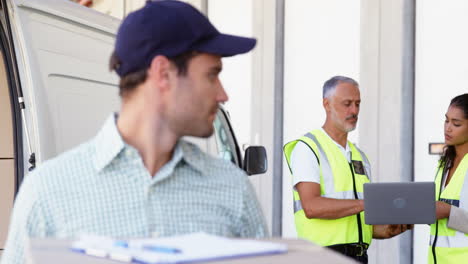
(225, 139)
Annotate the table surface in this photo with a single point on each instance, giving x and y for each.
(53, 251)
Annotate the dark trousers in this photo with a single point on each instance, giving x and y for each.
(353, 251)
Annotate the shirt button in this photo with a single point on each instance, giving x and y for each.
(128, 153)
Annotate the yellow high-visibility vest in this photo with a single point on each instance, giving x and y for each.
(336, 181)
(451, 245)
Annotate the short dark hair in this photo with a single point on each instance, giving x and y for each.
(131, 80)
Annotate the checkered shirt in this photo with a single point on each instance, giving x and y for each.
(102, 187)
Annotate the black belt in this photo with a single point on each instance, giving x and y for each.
(356, 250)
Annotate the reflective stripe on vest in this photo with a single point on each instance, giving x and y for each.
(326, 169)
(450, 242)
(297, 205)
(364, 159)
(458, 240)
(324, 165)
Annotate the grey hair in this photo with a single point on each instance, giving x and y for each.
(330, 85)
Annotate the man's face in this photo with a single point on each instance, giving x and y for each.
(343, 106)
(196, 97)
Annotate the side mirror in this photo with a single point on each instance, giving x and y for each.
(255, 160)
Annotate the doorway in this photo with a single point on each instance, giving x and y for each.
(7, 160)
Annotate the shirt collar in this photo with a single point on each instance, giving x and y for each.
(347, 149)
(183, 152)
(108, 143)
(192, 155)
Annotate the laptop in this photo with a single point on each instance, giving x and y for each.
(399, 203)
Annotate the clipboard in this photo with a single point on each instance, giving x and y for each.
(189, 248)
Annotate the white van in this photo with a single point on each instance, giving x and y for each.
(56, 90)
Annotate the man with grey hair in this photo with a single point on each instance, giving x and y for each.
(328, 176)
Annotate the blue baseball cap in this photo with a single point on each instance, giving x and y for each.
(170, 28)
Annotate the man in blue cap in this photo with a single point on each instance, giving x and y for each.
(137, 177)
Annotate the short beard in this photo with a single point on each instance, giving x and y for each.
(350, 129)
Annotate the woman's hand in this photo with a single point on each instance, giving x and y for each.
(442, 210)
(388, 231)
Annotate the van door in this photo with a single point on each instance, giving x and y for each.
(55, 56)
(11, 161)
(441, 68)
(63, 51)
(7, 157)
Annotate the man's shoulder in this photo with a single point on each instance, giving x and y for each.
(354, 145)
(310, 133)
(351, 144)
(210, 163)
(309, 137)
(66, 165)
(306, 142)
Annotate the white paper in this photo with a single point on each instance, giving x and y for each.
(193, 247)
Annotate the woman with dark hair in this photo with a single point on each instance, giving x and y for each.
(449, 235)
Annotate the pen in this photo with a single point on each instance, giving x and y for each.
(161, 249)
(153, 248)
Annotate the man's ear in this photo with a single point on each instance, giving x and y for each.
(326, 104)
(159, 71)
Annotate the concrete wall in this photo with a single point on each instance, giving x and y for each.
(322, 39)
(248, 81)
(441, 74)
(387, 112)
(237, 71)
(266, 112)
